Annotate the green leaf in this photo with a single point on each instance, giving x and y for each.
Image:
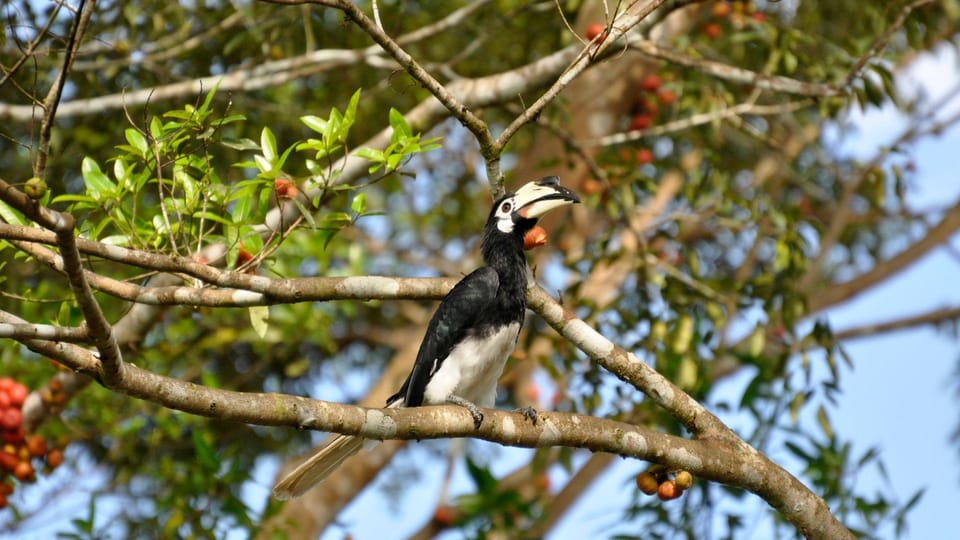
(206, 455)
(399, 124)
(12, 216)
(98, 185)
(209, 98)
(824, 420)
(268, 144)
(350, 115)
(240, 210)
(314, 122)
(136, 140)
(242, 144)
(359, 203)
(369, 154)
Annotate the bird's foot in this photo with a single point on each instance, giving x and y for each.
(474, 410)
(529, 413)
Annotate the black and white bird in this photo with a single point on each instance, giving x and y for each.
(471, 334)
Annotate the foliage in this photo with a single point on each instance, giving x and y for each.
(721, 284)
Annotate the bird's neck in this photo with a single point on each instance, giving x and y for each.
(504, 253)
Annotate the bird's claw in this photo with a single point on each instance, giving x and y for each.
(529, 413)
(474, 410)
(477, 418)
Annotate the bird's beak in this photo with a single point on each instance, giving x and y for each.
(540, 196)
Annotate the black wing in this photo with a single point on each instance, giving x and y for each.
(455, 315)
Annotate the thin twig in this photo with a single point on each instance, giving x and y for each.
(53, 97)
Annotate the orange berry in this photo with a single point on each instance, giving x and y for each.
(712, 30)
(668, 490)
(23, 471)
(721, 10)
(647, 483)
(542, 482)
(55, 458)
(667, 97)
(37, 445)
(591, 186)
(443, 515)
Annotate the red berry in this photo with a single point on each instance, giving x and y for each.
(13, 436)
(243, 257)
(18, 394)
(8, 461)
(285, 188)
(644, 156)
(4, 399)
(640, 121)
(651, 82)
(3, 501)
(6, 382)
(759, 17)
(596, 29)
(10, 419)
(712, 30)
(5, 488)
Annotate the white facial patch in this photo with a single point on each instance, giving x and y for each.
(504, 216)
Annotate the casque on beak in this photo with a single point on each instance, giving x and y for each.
(537, 198)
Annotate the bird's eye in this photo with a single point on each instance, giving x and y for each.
(505, 207)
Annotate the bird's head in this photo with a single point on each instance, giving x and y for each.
(516, 213)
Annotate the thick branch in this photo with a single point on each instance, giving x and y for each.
(934, 237)
(790, 497)
(706, 459)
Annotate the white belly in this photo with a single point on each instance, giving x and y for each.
(472, 369)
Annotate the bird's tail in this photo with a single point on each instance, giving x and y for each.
(317, 467)
(326, 460)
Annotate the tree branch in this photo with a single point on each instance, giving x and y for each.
(934, 237)
(776, 83)
(804, 509)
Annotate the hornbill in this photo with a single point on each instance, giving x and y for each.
(471, 334)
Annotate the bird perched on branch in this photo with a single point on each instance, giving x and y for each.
(471, 334)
